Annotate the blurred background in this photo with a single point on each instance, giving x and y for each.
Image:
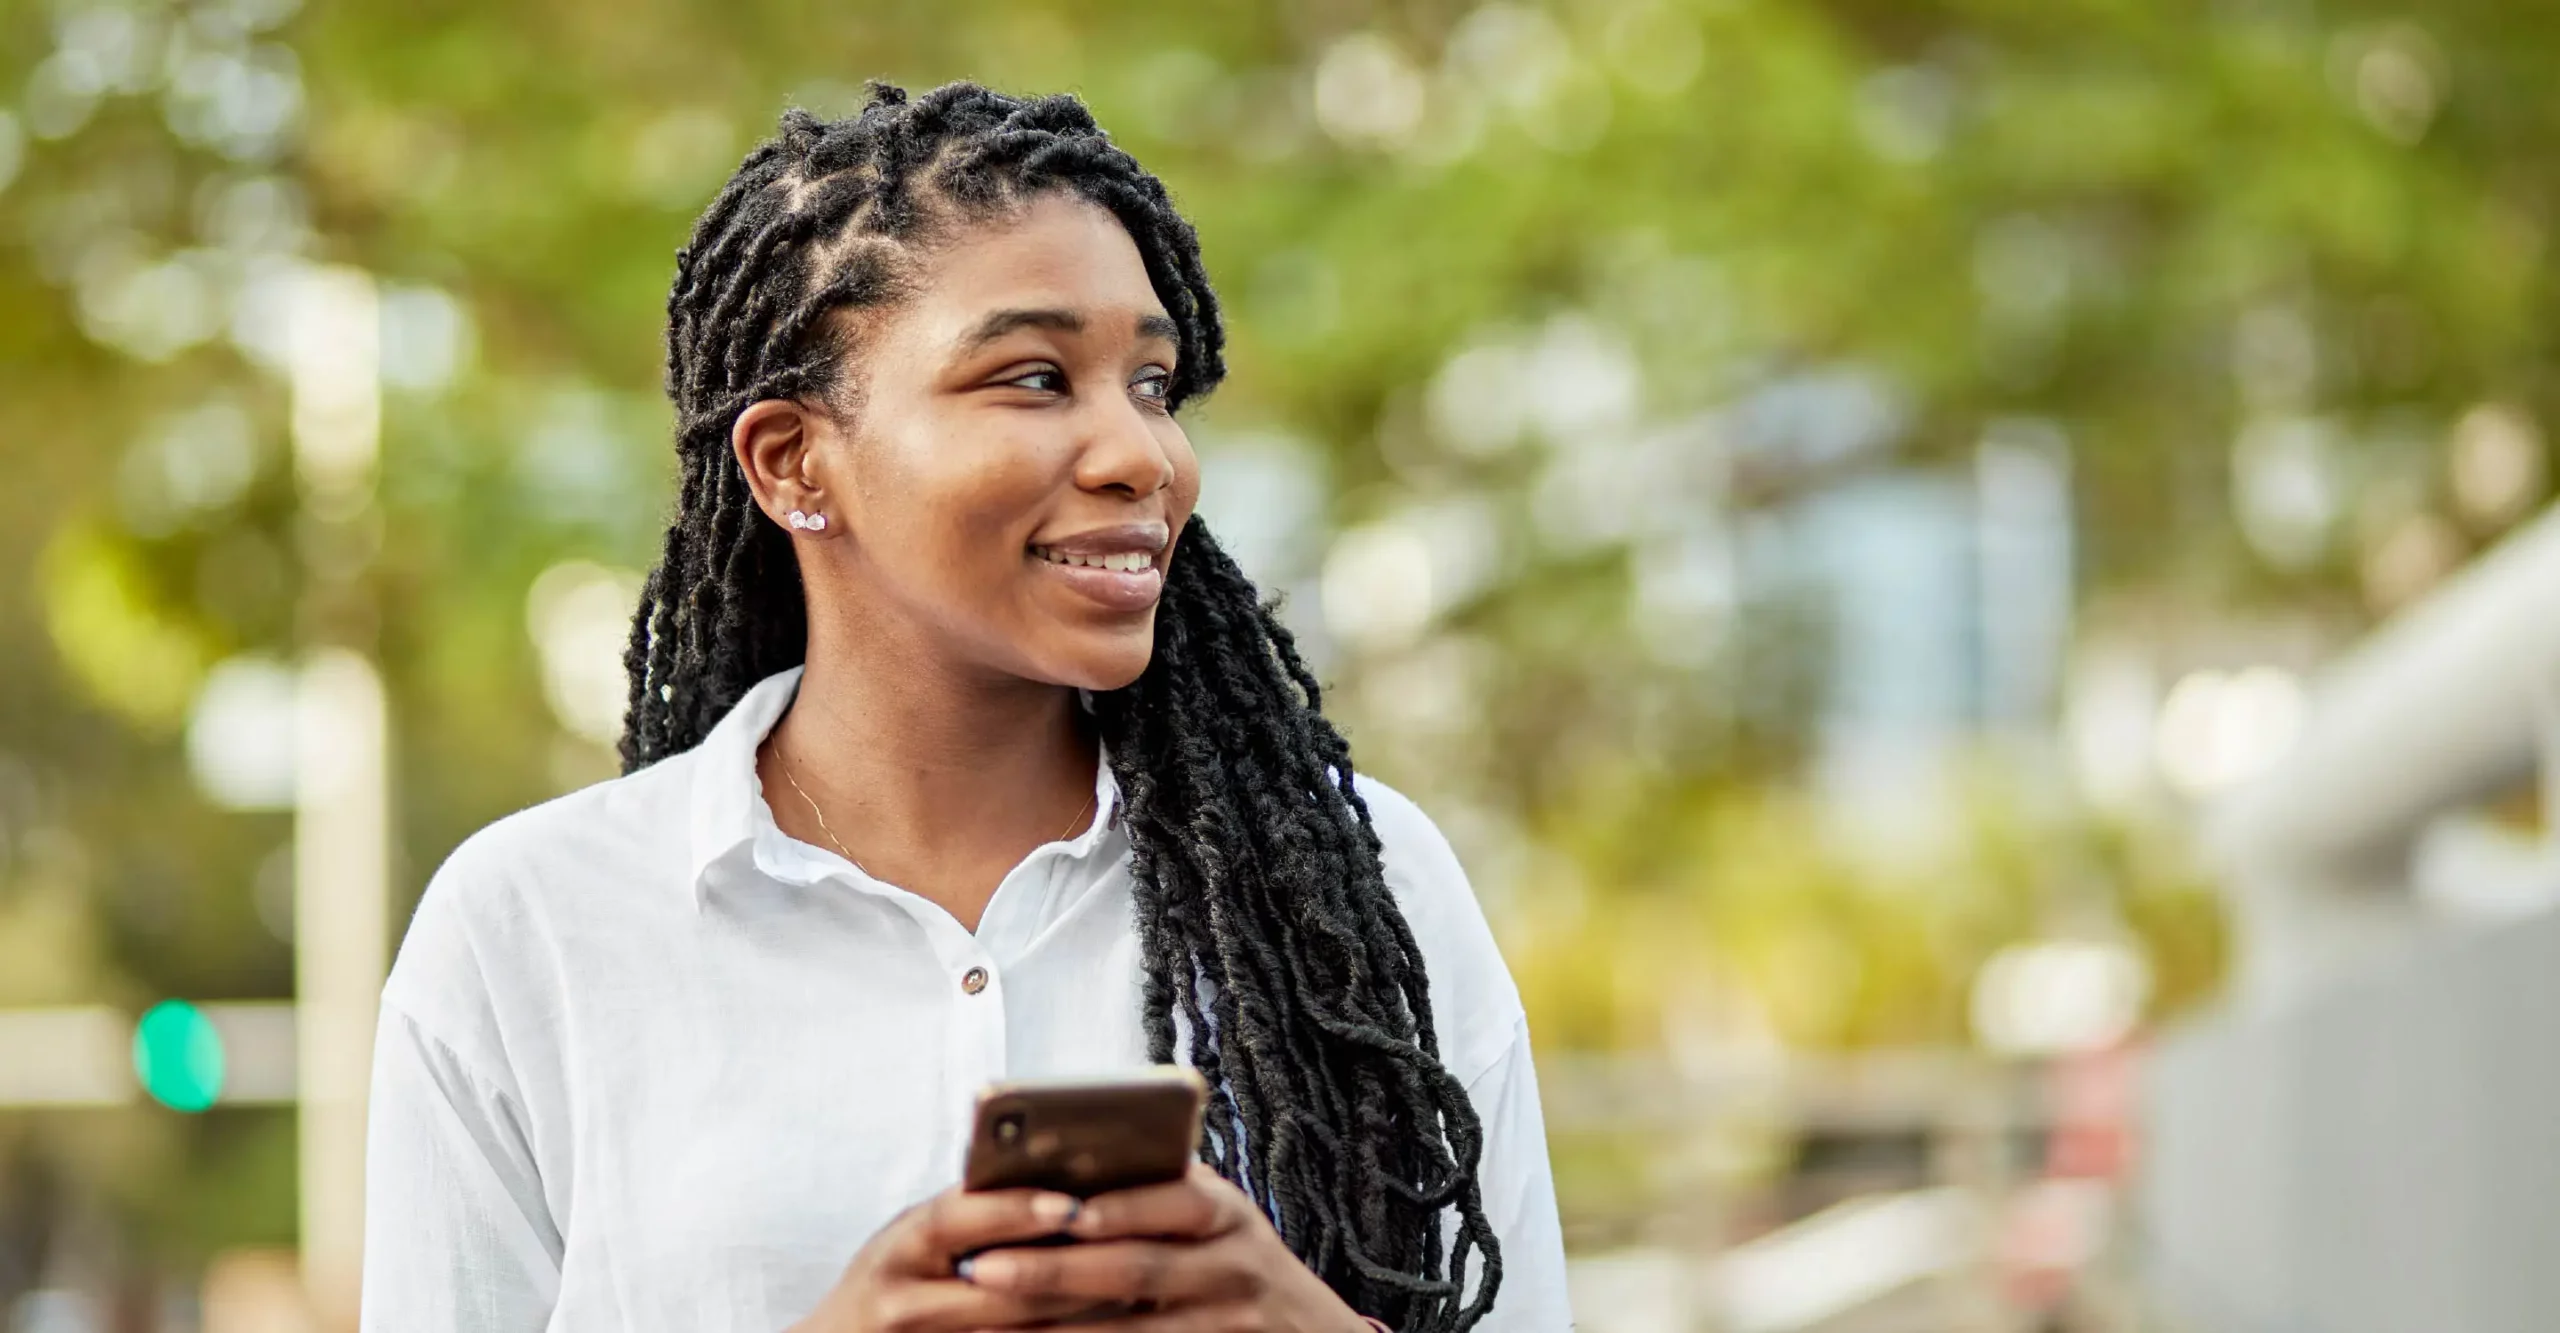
(1966, 576)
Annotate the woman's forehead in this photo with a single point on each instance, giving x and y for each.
(1056, 254)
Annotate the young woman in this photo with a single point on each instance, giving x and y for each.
(957, 751)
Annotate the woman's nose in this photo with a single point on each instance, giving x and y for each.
(1122, 453)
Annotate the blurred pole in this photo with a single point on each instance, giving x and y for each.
(341, 857)
(1969, 1151)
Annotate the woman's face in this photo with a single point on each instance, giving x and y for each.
(1010, 482)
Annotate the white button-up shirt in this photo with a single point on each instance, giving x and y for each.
(647, 1062)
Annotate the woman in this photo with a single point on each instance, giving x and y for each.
(957, 751)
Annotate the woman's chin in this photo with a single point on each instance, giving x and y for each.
(1100, 662)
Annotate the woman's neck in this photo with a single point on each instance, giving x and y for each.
(937, 781)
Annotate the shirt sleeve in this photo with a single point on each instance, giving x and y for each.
(1520, 1195)
(457, 1233)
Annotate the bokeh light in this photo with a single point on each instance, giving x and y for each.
(178, 1056)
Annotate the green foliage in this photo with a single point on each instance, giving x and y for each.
(1736, 915)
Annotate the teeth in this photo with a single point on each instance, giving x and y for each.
(1127, 562)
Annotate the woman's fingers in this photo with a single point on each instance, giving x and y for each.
(1177, 1272)
(1200, 1205)
(955, 1222)
(957, 1307)
(1185, 1319)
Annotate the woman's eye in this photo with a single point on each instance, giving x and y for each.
(1046, 379)
(1155, 387)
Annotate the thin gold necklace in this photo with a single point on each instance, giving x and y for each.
(846, 853)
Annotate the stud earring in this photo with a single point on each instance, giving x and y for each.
(811, 522)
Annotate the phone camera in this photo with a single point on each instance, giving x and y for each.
(1009, 1128)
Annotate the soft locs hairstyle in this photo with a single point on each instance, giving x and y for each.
(1263, 914)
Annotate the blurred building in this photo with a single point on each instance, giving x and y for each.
(1942, 606)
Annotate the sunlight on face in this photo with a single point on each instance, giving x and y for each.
(1012, 478)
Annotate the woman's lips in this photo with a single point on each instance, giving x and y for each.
(1121, 580)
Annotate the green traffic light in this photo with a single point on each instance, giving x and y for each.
(178, 1055)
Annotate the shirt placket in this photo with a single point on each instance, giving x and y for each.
(973, 987)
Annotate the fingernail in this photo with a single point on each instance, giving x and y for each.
(1057, 1209)
(964, 1268)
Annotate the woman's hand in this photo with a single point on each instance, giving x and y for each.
(1193, 1254)
(904, 1280)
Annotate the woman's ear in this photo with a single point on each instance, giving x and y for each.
(775, 441)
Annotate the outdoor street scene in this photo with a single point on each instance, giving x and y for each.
(1970, 583)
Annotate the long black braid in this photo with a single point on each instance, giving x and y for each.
(1262, 912)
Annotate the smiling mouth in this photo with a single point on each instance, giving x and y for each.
(1119, 570)
(1122, 561)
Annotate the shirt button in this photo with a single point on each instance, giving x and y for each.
(974, 980)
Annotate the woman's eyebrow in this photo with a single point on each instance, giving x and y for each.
(1001, 322)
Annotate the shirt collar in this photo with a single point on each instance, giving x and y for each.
(729, 809)
(725, 789)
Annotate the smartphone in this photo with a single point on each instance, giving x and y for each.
(1086, 1137)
